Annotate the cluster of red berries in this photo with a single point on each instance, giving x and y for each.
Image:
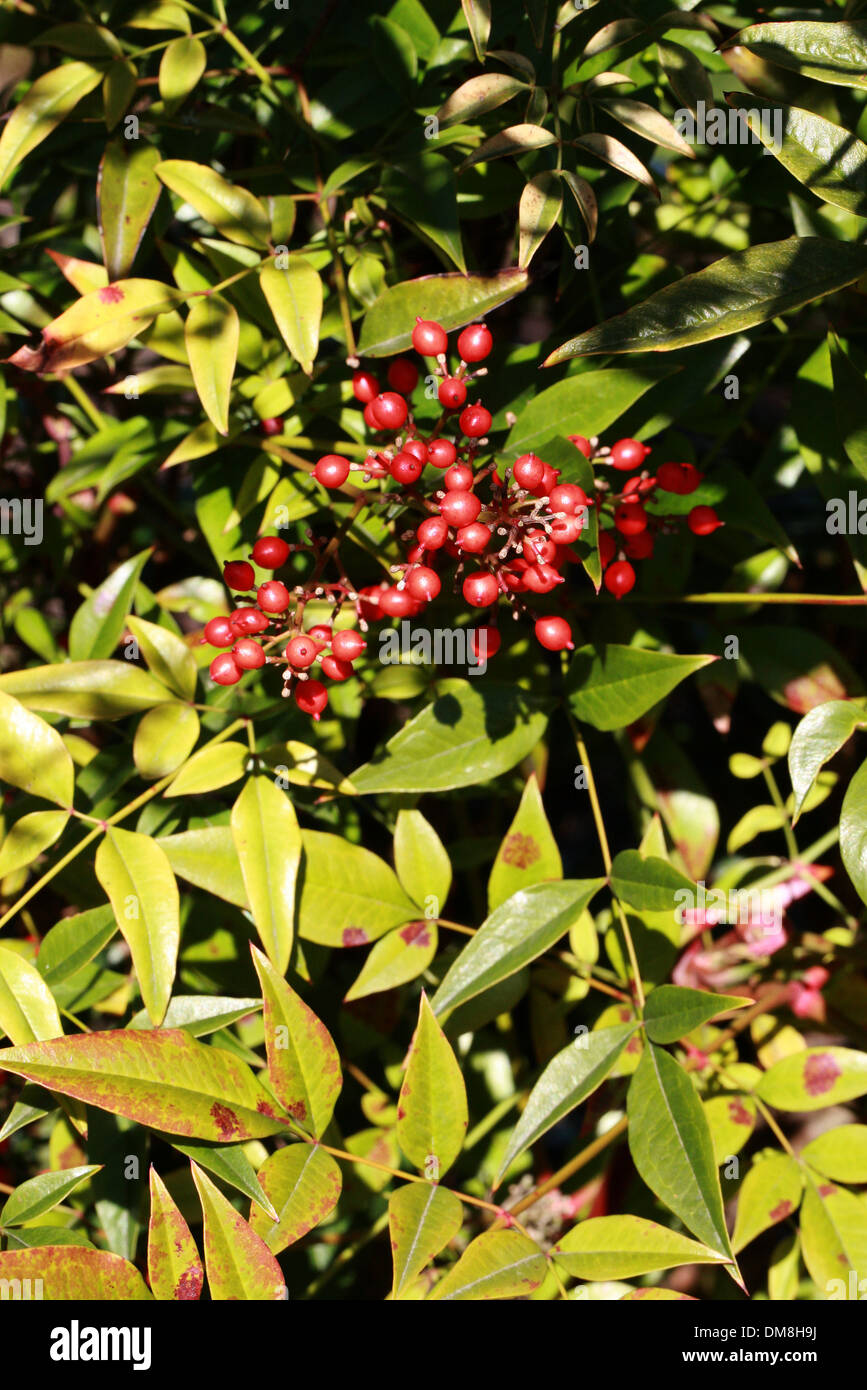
(516, 531)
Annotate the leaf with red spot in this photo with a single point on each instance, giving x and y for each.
(497, 1264)
(303, 1182)
(833, 1229)
(348, 896)
(422, 1219)
(731, 1120)
(99, 323)
(74, 1274)
(432, 1108)
(238, 1262)
(769, 1193)
(528, 854)
(397, 958)
(160, 1077)
(815, 1078)
(303, 1063)
(174, 1267)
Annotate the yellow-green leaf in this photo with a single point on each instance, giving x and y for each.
(234, 211)
(212, 333)
(538, 210)
(165, 736)
(118, 90)
(238, 1262)
(28, 1012)
(400, 956)
(303, 1063)
(815, 1078)
(181, 66)
(268, 841)
(99, 323)
(167, 655)
(210, 769)
(85, 689)
(497, 1264)
(421, 861)
(621, 1247)
(74, 1274)
(422, 1219)
(138, 881)
(840, 1153)
(47, 103)
(28, 837)
(769, 1193)
(303, 1183)
(33, 756)
(833, 1228)
(174, 1266)
(432, 1108)
(294, 297)
(529, 852)
(127, 192)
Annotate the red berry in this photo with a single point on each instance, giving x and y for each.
(423, 583)
(474, 538)
(627, 454)
(458, 478)
(619, 578)
(417, 448)
(273, 597)
(224, 669)
(639, 547)
(554, 634)
(348, 644)
(219, 632)
(335, 669)
(406, 468)
(311, 697)
(486, 640)
(369, 605)
(680, 478)
(369, 418)
(630, 518)
(374, 467)
(270, 552)
(320, 632)
(248, 654)
(583, 444)
(403, 375)
(389, 410)
(271, 426)
(302, 651)
(566, 529)
(397, 603)
(441, 453)
(702, 521)
(475, 421)
(452, 393)
(331, 470)
(247, 620)
(475, 343)
(542, 578)
(548, 483)
(607, 547)
(433, 532)
(528, 471)
(480, 589)
(537, 548)
(239, 575)
(429, 338)
(460, 508)
(364, 386)
(567, 497)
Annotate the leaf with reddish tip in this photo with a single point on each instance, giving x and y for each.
(127, 192)
(432, 1108)
(268, 843)
(303, 1063)
(163, 1078)
(97, 324)
(174, 1265)
(497, 1264)
(47, 103)
(304, 1183)
(73, 1274)
(422, 1219)
(82, 275)
(141, 887)
(239, 1263)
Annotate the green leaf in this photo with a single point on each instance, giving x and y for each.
(81, 40)
(300, 765)
(621, 1247)
(162, 1078)
(160, 14)
(210, 769)
(140, 885)
(611, 686)
(686, 74)
(671, 1146)
(303, 1063)
(208, 859)
(648, 883)
(230, 1164)
(619, 156)
(167, 655)
(303, 1182)
(814, 1079)
(98, 624)
(30, 835)
(514, 140)
(165, 737)
(769, 1193)
(212, 332)
(529, 852)
(853, 831)
(238, 1262)
(235, 213)
(127, 192)
(673, 1011)
(646, 121)
(422, 192)
(452, 300)
(118, 90)
(477, 14)
(821, 50)
(466, 735)
(850, 406)
(821, 733)
(839, 1153)
(569, 1078)
(517, 932)
(585, 404)
(294, 297)
(432, 1107)
(833, 1229)
(73, 1274)
(735, 293)
(826, 158)
(422, 1219)
(33, 756)
(174, 1266)
(28, 1012)
(497, 1264)
(421, 860)
(200, 1014)
(585, 200)
(74, 942)
(398, 957)
(48, 102)
(41, 1193)
(181, 67)
(478, 96)
(539, 208)
(268, 843)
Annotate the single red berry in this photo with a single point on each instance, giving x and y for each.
(389, 410)
(452, 393)
(415, 555)
(458, 478)
(271, 426)
(320, 632)
(369, 418)
(475, 343)
(475, 421)
(273, 597)
(627, 454)
(417, 448)
(639, 547)
(429, 338)
(567, 497)
(691, 478)
(566, 529)
(583, 444)
(406, 468)
(248, 654)
(460, 508)
(630, 518)
(302, 651)
(270, 552)
(403, 375)
(480, 589)
(219, 632)
(397, 603)
(423, 583)
(335, 669)
(224, 669)
(486, 640)
(369, 606)
(364, 386)
(474, 538)
(441, 453)
(680, 478)
(554, 634)
(528, 471)
(607, 547)
(702, 521)
(542, 578)
(619, 578)
(374, 467)
(537, 548)
(311, 697)
(433, 532)
(513, 579)
(239, 575)
(548, 483)
(247, 620)
(331, 470)
(348, 644)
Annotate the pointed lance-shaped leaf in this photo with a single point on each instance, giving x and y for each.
(238, 1262)
(303, 1182)
(303, 1063)
(141, 887)
(174, 1265)
(432, 1107)
(497, 1264)
(422, 1219)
